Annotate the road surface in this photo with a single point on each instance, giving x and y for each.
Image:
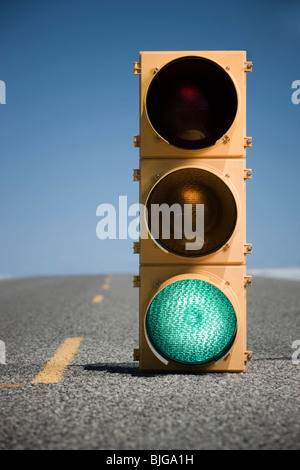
(84, 329)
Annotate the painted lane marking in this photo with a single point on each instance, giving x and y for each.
(56, 366)
(11, 385)
(105, 286)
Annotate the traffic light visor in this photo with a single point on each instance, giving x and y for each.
(191, 322)
(191, 102)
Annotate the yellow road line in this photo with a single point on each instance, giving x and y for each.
(55, 368)
(97, 299)
(105, 286)
(11, 385)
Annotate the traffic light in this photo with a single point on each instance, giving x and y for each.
(192, 175)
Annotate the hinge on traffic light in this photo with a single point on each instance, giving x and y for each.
(136, 247)
(248, 174)
(248, 356)
(248, 248)
(136, 174)
(226, 138)
(248, 142)
(248, 66)
(136, 281)
(136, 68)
(136, 140)
(248, 280)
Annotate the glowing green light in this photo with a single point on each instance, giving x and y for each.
(191, 322)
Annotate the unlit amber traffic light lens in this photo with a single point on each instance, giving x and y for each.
(192, 186)
(191, 102)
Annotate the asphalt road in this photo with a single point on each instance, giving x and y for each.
(103, 402)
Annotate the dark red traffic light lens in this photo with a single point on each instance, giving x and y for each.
(191, 102)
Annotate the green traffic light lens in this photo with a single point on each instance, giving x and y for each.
(191, 322)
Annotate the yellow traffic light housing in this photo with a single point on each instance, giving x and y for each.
(222, 132)
(192, 279)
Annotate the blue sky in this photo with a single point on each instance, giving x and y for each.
(72, 110)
